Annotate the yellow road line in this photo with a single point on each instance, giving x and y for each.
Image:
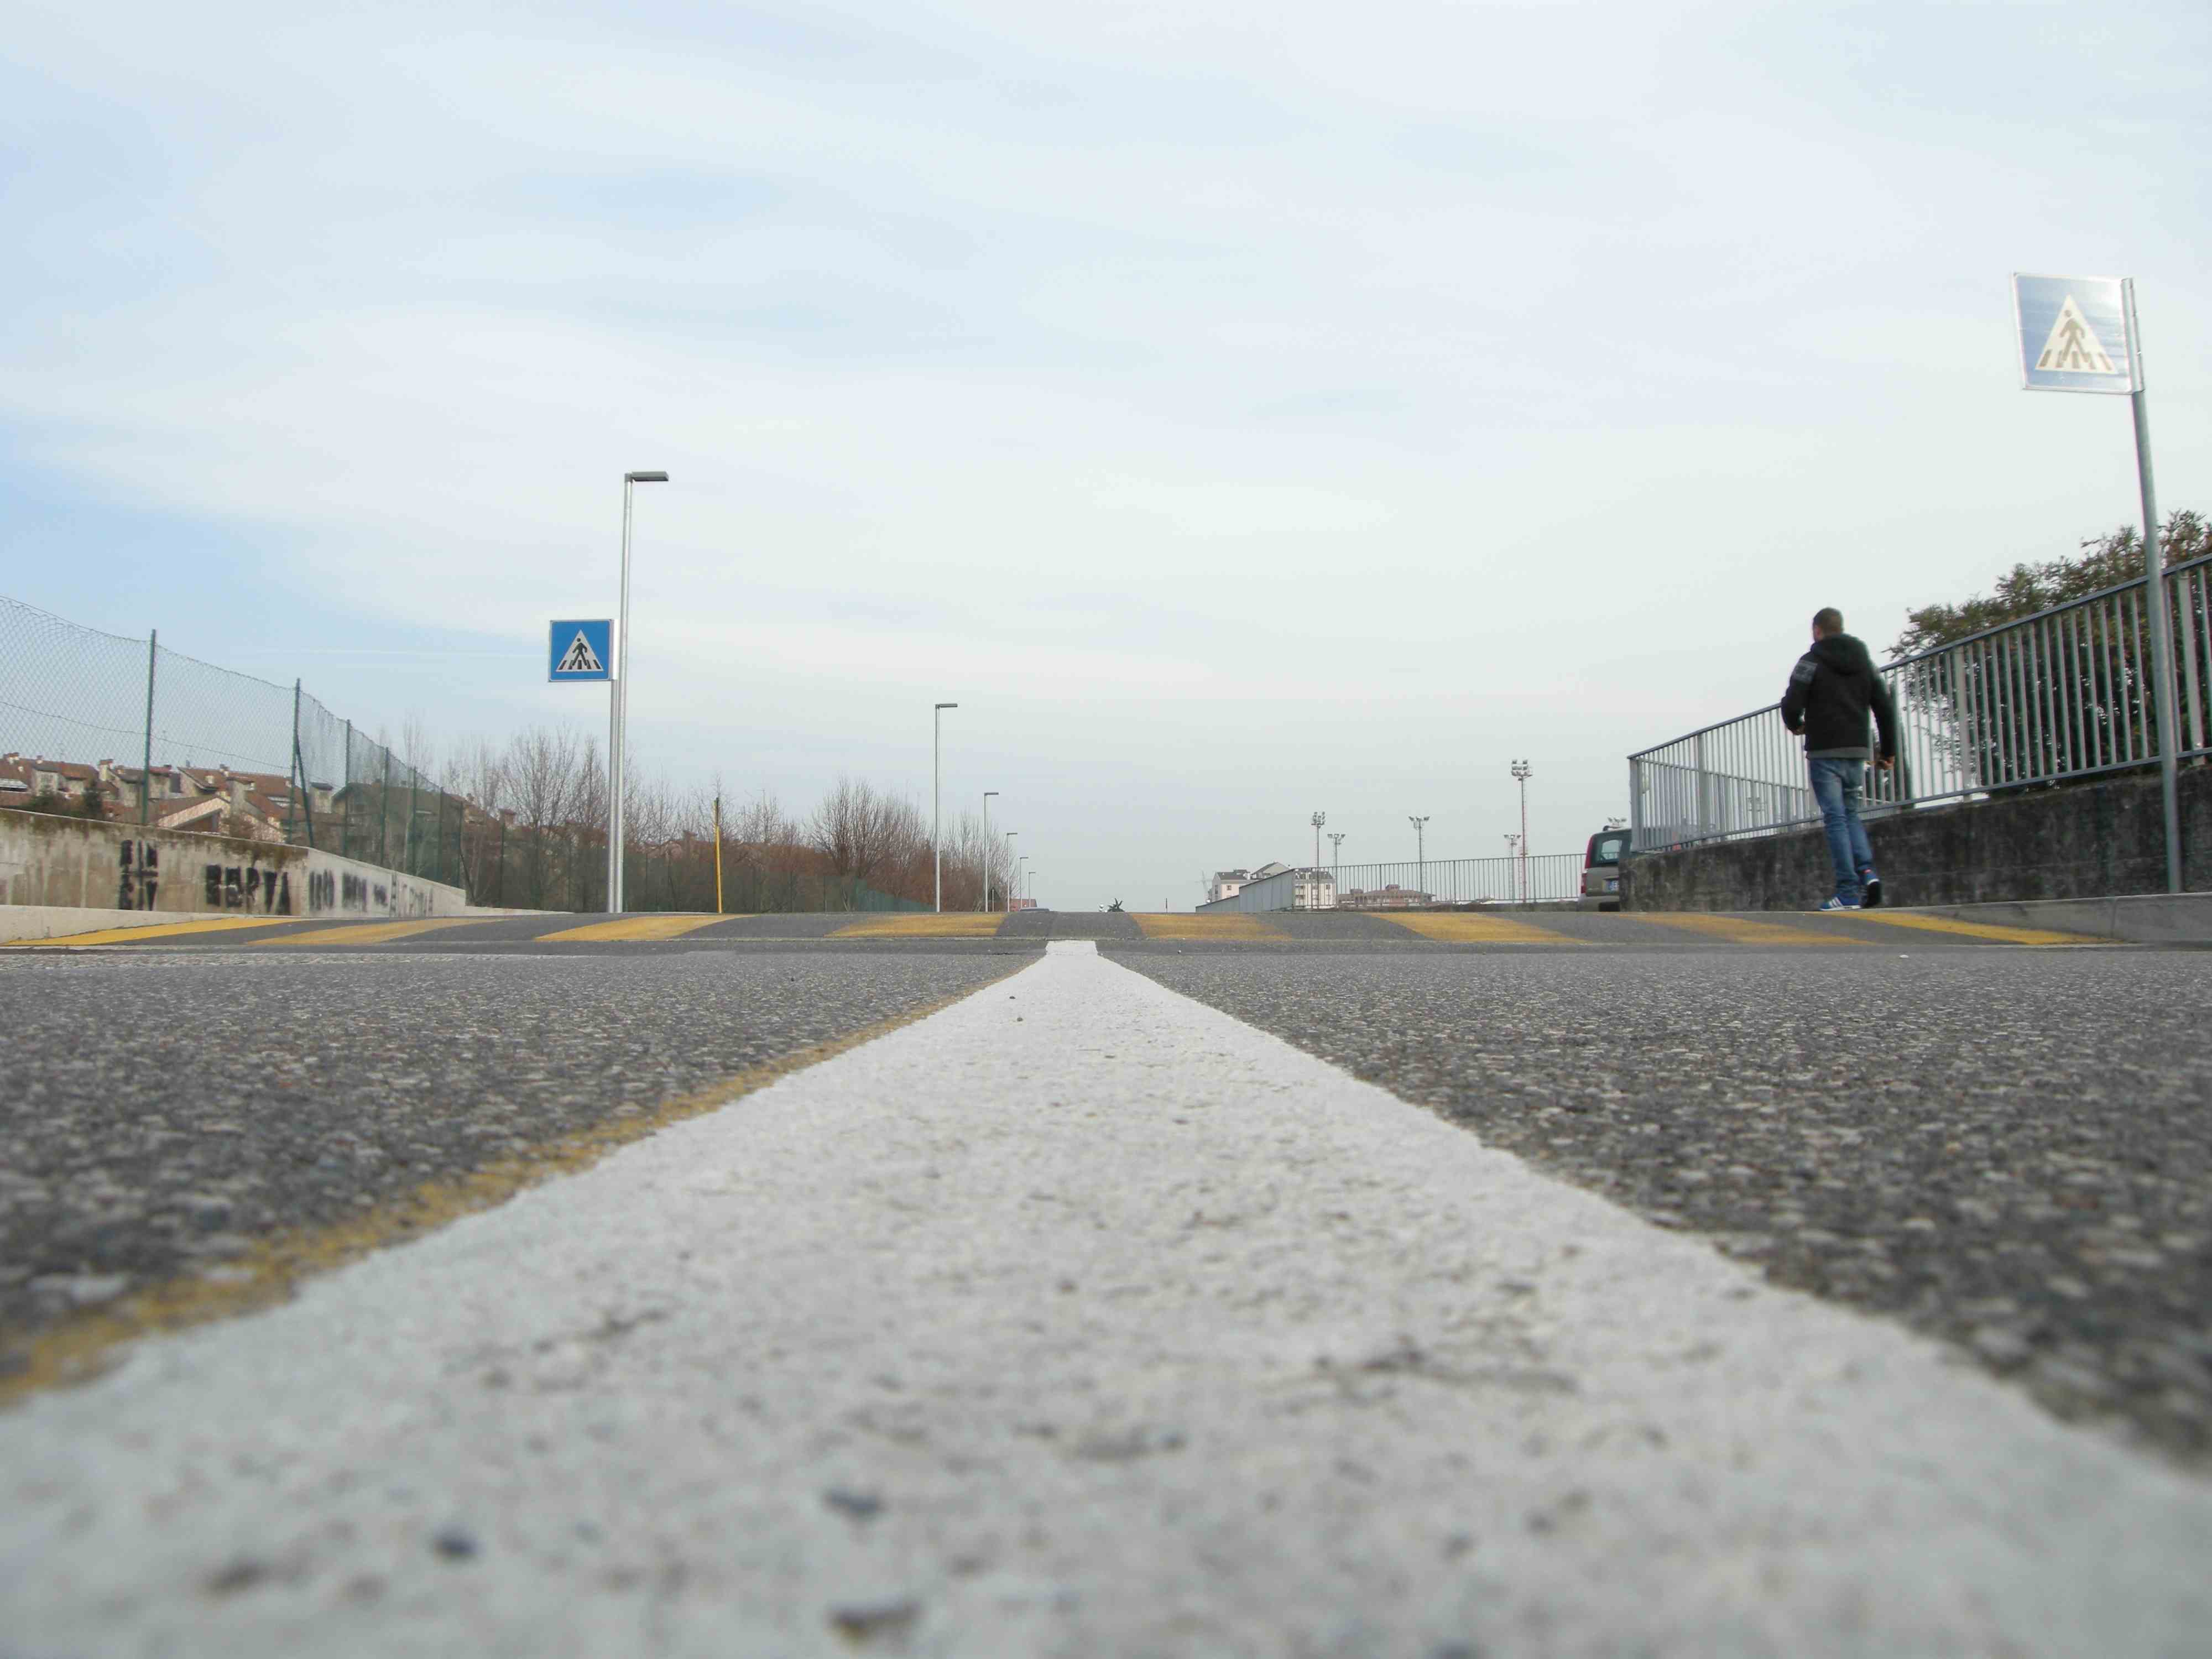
(1233, 924)
(1464, 928)
(1979, 929)
(372, 932)
(169, 930)
(968, 924)
(1736, 930)
(632, 928)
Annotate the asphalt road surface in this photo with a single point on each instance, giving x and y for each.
(1994, 1139)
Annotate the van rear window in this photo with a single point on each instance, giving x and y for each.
(1607, 849)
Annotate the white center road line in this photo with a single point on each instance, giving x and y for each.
(1076, 1319)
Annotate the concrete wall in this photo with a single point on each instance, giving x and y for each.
(80, 863)
(2081, 841)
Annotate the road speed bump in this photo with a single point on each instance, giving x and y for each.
(1986, 930)
(371, 933)
(965, 924)
(166, 930)
(1740, 929)
(1234, 926)
(1463, 929)
(632, 929)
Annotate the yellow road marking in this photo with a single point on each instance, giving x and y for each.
(1735, 930)
(374, 933)
(1979, 929)
(632, 928)
(169, 930)
(971, 924)
(1462, 928)
(1231, 924)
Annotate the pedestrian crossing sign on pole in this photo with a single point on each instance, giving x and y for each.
(2076, 334)
(582, 651)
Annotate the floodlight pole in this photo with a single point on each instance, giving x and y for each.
(1521, 775)
(618, 708)
(1420, 852)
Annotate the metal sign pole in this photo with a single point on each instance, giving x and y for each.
(2161, 642)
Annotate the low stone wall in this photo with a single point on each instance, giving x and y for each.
(2077, 840)
(83, 863)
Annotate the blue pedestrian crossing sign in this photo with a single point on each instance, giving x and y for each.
(582, 650)
(2077, 333)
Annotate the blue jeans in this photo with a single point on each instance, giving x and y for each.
(1838, 786)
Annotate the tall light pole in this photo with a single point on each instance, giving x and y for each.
(1521, 775)
(1011, 834)
(1336, 862)
(618, 715)
(936, 796)
(1420, 852)
(987, 794)
(1018, 863)
(1512, 844)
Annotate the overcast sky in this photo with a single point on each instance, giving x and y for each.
(1241, 409)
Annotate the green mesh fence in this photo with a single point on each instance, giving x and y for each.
(137, 733)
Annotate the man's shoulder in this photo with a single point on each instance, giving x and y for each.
(1807, 666)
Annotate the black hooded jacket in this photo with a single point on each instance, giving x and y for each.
(1829, 690)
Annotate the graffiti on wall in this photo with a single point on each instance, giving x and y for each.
(249, 888)
(139, 864)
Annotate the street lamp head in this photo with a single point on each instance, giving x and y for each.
(987, 794)
(948, 705)
(645, 478)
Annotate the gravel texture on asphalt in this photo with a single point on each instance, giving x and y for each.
(163, 1111)
(2012, 1149)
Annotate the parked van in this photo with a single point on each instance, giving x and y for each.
(1601, 867)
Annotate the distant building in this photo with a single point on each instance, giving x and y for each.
(1271, 887)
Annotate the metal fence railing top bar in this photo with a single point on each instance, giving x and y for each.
(2068, 693)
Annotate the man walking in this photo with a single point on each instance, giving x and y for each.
(1831, 690)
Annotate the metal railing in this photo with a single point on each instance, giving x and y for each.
(1543, 878)
(2062, 695)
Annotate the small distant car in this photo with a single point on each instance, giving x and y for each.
(1601, 867)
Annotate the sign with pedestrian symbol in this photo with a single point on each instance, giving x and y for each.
(581, 650)
(2075, 333)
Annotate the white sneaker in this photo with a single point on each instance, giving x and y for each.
(1834, 903)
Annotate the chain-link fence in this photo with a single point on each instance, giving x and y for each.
(107, 727)
(129, 731)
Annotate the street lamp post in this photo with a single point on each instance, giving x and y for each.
(1319, 819)
(937, 795)
(1521, 775)
(618, 710)
(1019, 892)
(1420, 852)
(1336, 863)
(987, 794)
